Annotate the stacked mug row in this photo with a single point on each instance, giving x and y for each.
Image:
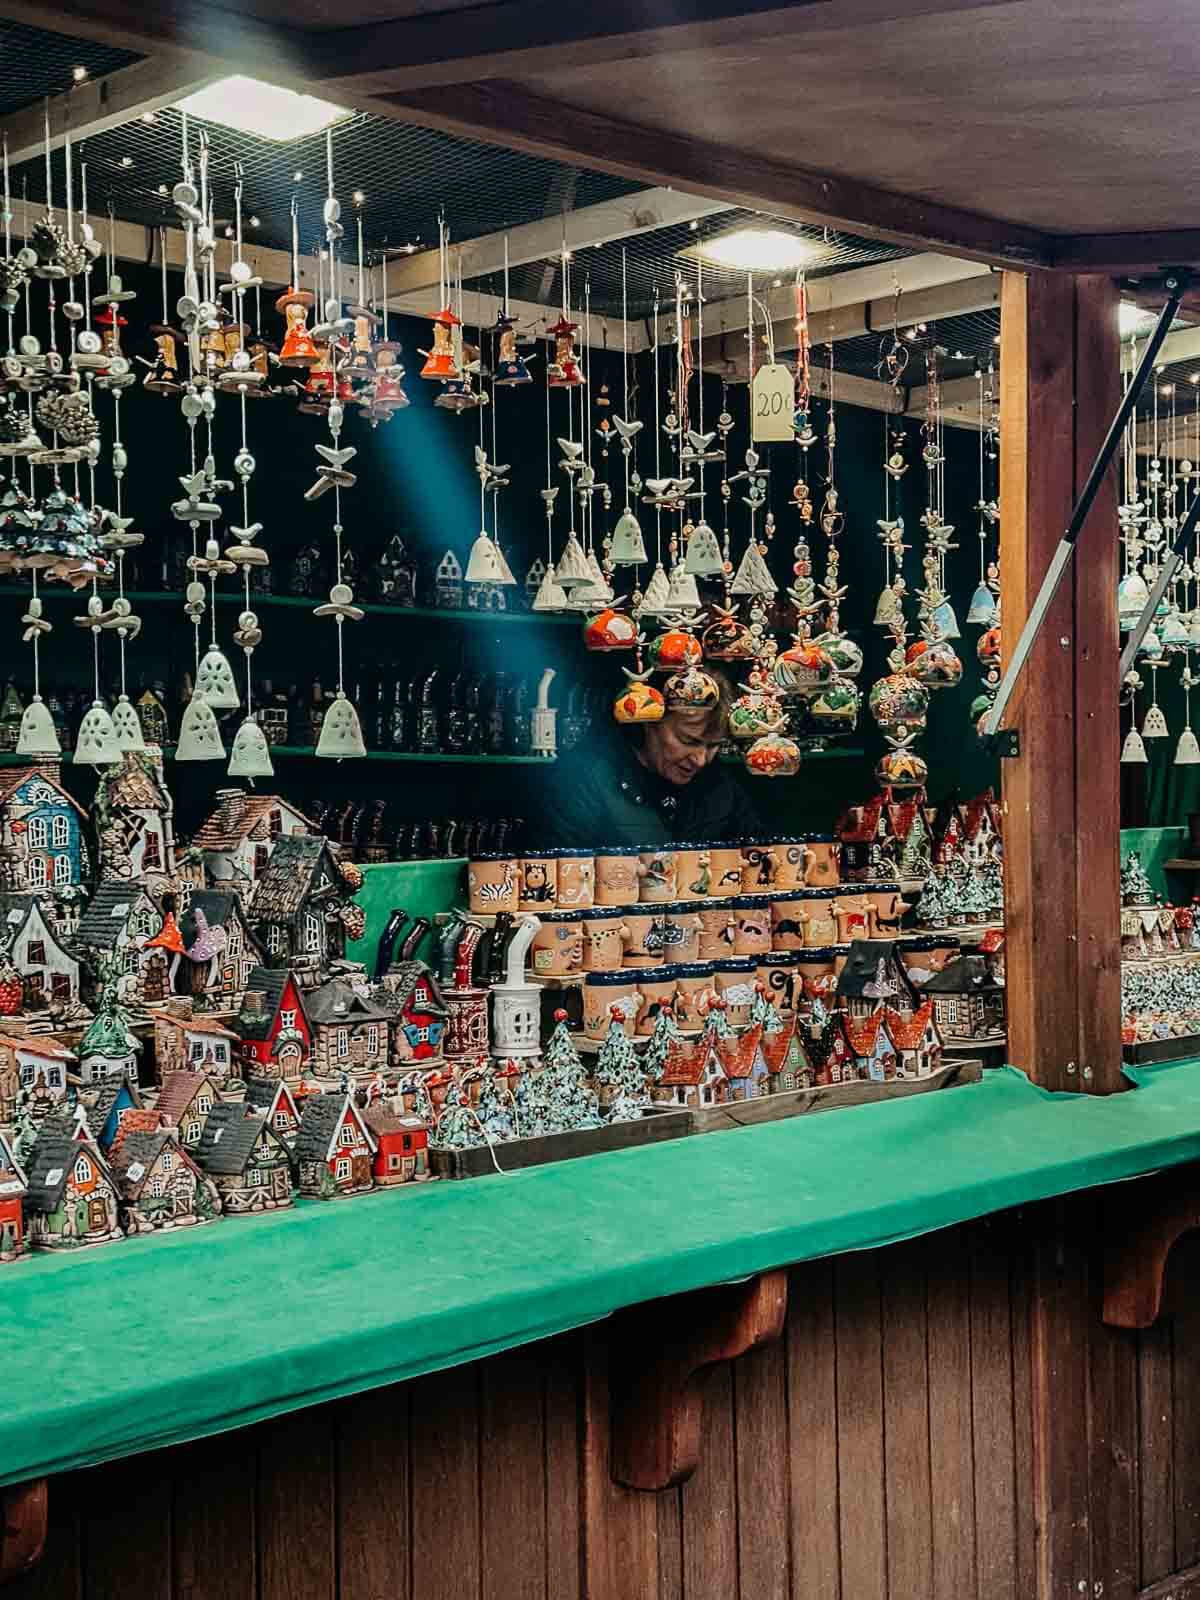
(607, 937)
(624, 875)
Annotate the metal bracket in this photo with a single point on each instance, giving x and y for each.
(1005, 743)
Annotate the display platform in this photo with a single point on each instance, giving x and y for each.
(117, 1351)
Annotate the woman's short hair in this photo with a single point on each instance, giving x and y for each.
(713, 718)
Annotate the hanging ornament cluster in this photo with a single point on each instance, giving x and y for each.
(984, 610)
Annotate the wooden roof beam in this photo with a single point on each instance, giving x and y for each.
(1122, 254)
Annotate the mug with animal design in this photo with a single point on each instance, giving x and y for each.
(820, 926)
(576, 882)
(617, 868)
(779, 975)
(539, 882)
(693, 872)
(736, 983)
(645, 944)
(725, 866)
(751, 924)
(656, 876)
(816, 970)
(855, 917)
(492, 883)
(790, 855)
(557, 948)
(716, 931)
(760, 867)
(693, 989)
(682, 929)
(604, 938)
(924, 955)
(889, 909)
(788, 920)
(822, 860)
(657, 989)
(601, 992)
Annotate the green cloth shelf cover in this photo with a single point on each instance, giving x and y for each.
(128, 1347)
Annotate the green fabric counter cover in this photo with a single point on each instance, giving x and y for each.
(130, 1346)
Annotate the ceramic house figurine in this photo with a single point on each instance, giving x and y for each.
(302, 903)
(105, 1107)
(694, 1076)
(412, 997)
(273, 1025)
(968, 1003)
(33, 1066)
(910, 831)
(109, 1049)
(115, 926)
(870, 1041)
(134, 817)
(237, 839)
(193, 1044)
(785, 1058)
(71, 1199)
(869, 846)
(185, 1100)
(335, 1148)
(918, 1042)
(350, 1033)
(828, 1049)
(30, 944)
(13, 1187)
(222, 950)
(159, 1184)
(981, 839)
(516, 1017)
(41, 833)
(874, 976)
(246, 1159)
(401, 1146)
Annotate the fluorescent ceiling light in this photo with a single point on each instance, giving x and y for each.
(262, 109)
(755, 250)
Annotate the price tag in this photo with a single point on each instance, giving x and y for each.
(771, 404)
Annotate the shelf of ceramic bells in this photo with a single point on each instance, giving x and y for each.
(427, 613)
(9, 759)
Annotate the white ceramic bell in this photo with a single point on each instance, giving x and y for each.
(96, 744)
(1133, 751)
(128, 725)
(703, 559)
(753, 576)
(982, 610)
(486, 564)
(657, 597)
(682, 593)
(199, 735)
(38, 735)
(945, 621)
(551, 596)
(1154, 724)
(1187, 751)
(250, 756)
(628, 546)
(341, 732)
(215, 681)
(571, 568)
(504, 567)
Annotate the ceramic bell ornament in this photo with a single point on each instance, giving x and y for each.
(703, 558)
(550, 596)
(1187, 751)
(440, 365)
(298, 348)
(571, 568)
(127, 724)
(250, 756)
(628, 547)
(657, 597)
(682, 593)
(199, 735)
(1133, 751)
(341, 732)
(38, 735)
(96, 744)
(215, 681)
(486, 563)
(753, 576)
(511, 367)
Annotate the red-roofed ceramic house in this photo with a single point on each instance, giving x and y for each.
(693, 1076)
(914, 841)
(869, 848)
(870, 1040)
(783, 1057)
(13, 1184)
(917, 1040)
(981, 830)
(401, 1147)
(743, 1064)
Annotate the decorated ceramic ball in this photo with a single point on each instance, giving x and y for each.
(934, 664)
(899, 699)
(988, 648)
(836, 704)
(610, 630)
(690, 690)
(803, 668)
(727, 639)
(902, 769)
(674, 649)
(754, 714)
(773, 756)
(845, 654)
(639, 702)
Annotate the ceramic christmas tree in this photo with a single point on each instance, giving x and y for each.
(569, 1103)
(618, 1074)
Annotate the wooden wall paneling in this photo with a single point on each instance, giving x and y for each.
(296, 1536)
(444, 1423)
(619, 1525)
(374, 1493)
(214, 1518)
(59, 1574)
(711, 1500)
(813, 1433)
(670, 1543)
(1113, 1448)
(862, 1520)
(763, 1489)
(512, 1477)
(1156, 1399)
(562, 1370)
(1020, 1299)
(1185, 1411)
(951, 1447)
(908, 1489)
(992, 1421)
(121, 1558)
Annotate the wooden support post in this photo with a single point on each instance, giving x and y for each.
(661, 1355)
(1059, 387)
(1143, 1223)
(23, 1510)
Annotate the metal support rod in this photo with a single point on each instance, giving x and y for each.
(1177, 283)
(1166, 572)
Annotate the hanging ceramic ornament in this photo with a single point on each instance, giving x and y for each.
(38, 735)
(682, 593)
(571, 568)
(703, 558)
(933, 663)
(610, 629)
(511, 366)
(251, 755)
(215, 681)
(982, 609)
(550, 596)
(628, 547)
(127, 725)
(639, 700)
(199, 735)
(803, 668)
(657, 597)
(1133, 751)
(96, 743)
(564, 371)
(753, 576)
(674, 650)
(1187, 751)
(691, 689)
(299, 348)
(758, 711)
(728, 639)
(773, 756)
(486, 564)
(341, 732)
(1132, 594)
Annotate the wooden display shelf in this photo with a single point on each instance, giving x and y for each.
(291, 750)
(658, 1123)
(1151, 1052)
(830, 1097)
(1182, 864)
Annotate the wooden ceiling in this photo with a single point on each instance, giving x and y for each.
(1043, 132)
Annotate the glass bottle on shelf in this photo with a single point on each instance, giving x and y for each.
(428, 732)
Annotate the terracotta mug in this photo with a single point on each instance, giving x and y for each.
(656, 876)
(889, 908)
(817, 969)
(925, 955)
(576, 882)
(602, 991)
(792, 860)
(492, 883)
(693, 872)
(604, 936)
(716, 931)
(760, 867)
(539, 881)
(841, 954)
(821, 927)
(751, 925)
(692, 989)
(779, 975)
(736, 984)
(788, 921)
(617, 876)
(557, 948)
(644, 947)
(854, 915)
(725, 867)
(681, 932)
(658, 990)
(823, 860)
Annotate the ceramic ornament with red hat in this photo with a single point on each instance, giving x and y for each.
(440, 364)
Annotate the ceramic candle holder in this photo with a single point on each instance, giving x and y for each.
(751, 925)
(682, 929)
(736, 981)
(726, 867)
(539, 882)
(820, 928)
(779, 974)
(604, 936)
(601, 991)
(693, 986)
(657, 990)
(693, 872)
(492, 883)
(656, 875)
(557, 948)
(788, 921)
(644, 947)
(716, 931)
(617, 876)
(576, 882)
